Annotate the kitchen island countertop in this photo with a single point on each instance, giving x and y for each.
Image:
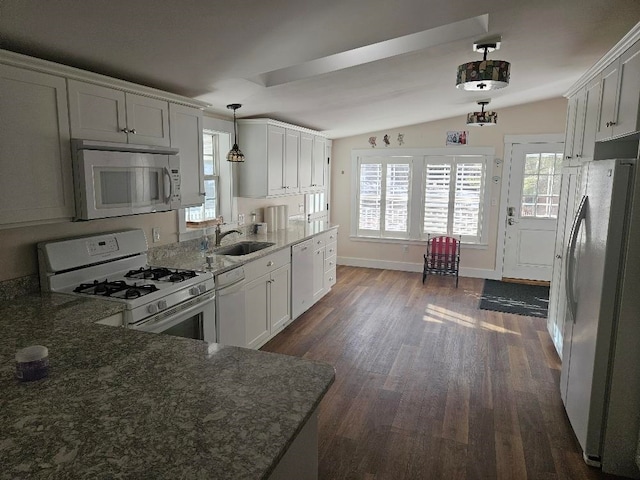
(124, 404)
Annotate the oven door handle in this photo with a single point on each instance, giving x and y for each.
(152, 325)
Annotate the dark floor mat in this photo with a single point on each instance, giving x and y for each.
(530, 300)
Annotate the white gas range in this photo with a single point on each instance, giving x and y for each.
(113, 266)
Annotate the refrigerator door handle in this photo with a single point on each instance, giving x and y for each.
(575, 231)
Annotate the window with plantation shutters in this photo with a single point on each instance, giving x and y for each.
(454, 196)
(439, 191)
(383, 197)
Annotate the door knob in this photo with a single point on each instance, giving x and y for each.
(512, 221)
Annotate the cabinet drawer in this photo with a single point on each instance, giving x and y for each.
(267, 264)
(330, 263)
(332, 249)
(330, 278)
(332, 235)
(319, 241)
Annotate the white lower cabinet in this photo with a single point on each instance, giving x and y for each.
(267, 296)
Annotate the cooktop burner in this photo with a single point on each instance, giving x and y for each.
(161, 274)
(115, 289)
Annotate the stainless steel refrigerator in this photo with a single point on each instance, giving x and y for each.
(600, 379)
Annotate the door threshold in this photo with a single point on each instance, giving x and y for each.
(526, 281)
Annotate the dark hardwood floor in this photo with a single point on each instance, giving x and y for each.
(430, 387)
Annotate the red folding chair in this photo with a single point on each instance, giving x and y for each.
(442, 257)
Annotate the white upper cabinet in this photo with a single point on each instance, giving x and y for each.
(319, 161)
(628, 93)
(279, 159)
(291, 158)
(35, 155)
(304, 167)
(186, 135)
(620, 96)
(103, 113)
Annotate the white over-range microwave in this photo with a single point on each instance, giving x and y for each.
(113, 180)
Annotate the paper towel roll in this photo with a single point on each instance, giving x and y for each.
(271, 218)
(283, 216)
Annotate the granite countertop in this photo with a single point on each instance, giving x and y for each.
(187, 255)
(125, 404)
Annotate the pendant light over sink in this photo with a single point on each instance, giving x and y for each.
(485, 74)
(235, 155)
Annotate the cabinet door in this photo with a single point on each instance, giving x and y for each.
(578, 135)
(34, 147)
(570, 128)
(319, 159)
(305, 163)
(318, 274)
(280, 298)
(609, 90)
(275, 160)
(627, 119)
(592, 107)
(186, 135)
(256, 308)
(291, 156)
(96, 112)
(147, 120)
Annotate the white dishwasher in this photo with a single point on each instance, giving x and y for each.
(230, 308)
(302, 278)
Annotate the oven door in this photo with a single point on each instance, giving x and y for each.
(195, 318)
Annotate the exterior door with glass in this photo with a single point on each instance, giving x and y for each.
(532, 211)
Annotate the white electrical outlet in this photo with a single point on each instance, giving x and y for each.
(155, 232)
(241, 219)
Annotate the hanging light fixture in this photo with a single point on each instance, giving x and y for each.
(482, 118)
(484, 74)
(235, 155)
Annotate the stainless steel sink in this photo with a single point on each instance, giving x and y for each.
(242, 248)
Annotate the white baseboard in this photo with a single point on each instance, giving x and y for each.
(413, 267)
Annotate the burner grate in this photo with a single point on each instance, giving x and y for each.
(115, 289)
(161, 274)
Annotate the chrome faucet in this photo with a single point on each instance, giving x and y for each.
(220, 235)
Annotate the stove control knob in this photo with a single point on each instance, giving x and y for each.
(162, 304)
(194, 291)
(152, 309)
(202, 288)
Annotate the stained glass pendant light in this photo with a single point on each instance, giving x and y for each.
(484, 74)
(482, 118)
(235, 155)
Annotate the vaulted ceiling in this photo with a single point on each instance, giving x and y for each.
(343, 67)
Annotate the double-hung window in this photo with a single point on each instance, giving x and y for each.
(423, 191)
(384, 189)
(211, 206)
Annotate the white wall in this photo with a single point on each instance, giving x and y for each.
(543, 117)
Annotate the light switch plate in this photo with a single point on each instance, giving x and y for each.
(155, 232)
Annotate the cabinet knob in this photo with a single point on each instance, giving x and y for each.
(133, 130)
(568, 157)
(126, 130)
(613, 123)
(558, 256)
(269, 263)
